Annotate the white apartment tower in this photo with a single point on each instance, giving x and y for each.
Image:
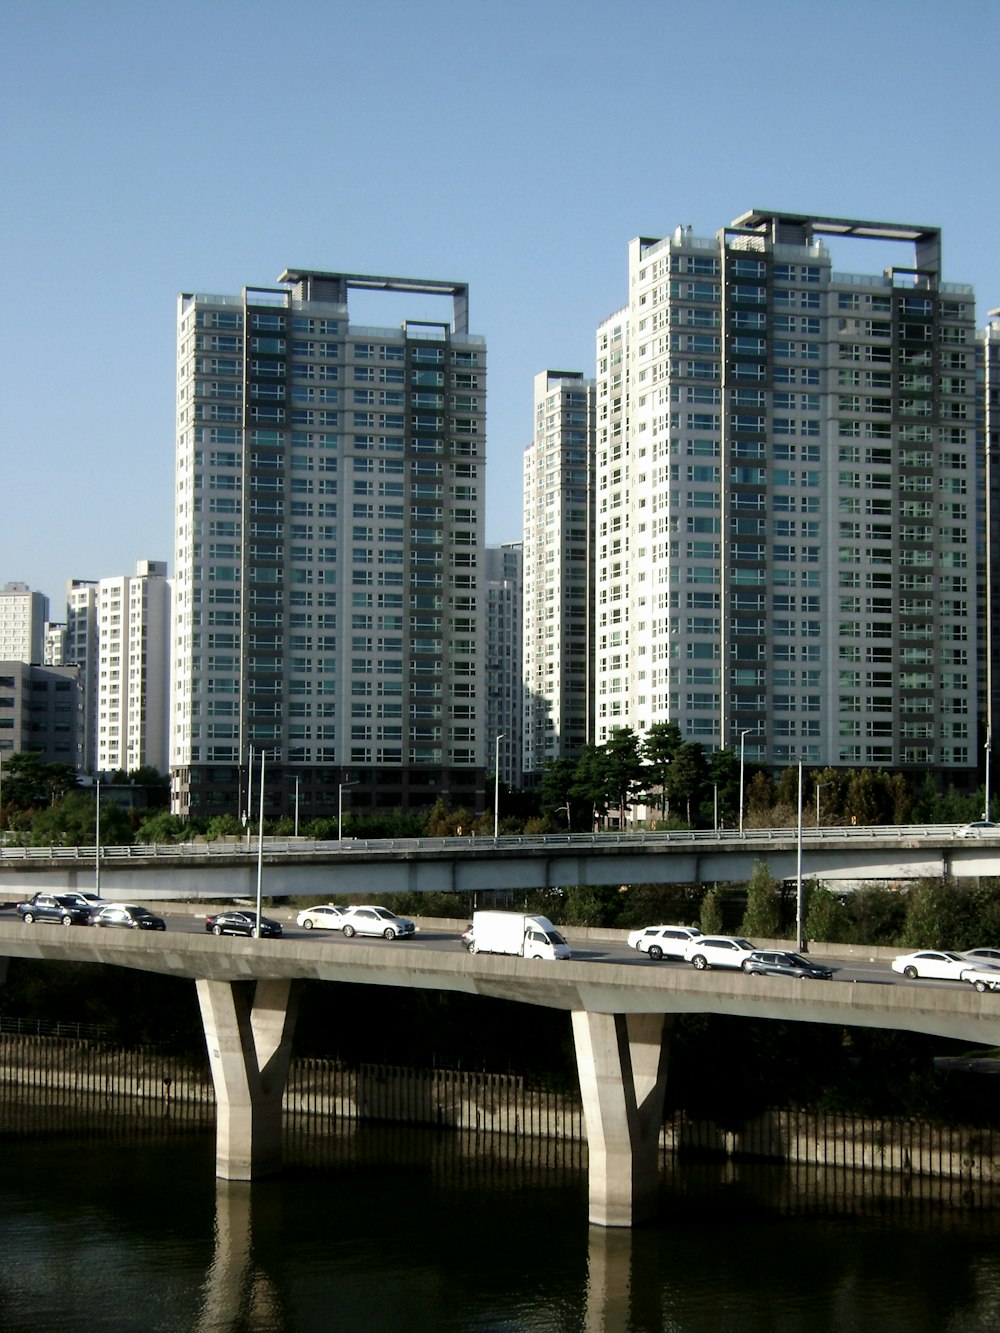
(329, 514)
(133, 669)
(558, 515)
(23, 614)
(787, 483)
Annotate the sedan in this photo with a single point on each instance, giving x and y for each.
(663, 941)
(61, 907)
(375, 921)
(325, 917)
(126, 916)
(938, 964)
(781, 964)
(978, 828)
(242, 923)
(983, 957)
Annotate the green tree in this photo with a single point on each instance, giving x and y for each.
(936, 915)
(724, 777)
(877, 916)
(72, 822)
(762, 917)
(29, 783)
(623, 768)
(162, 827)
(658, 750)
(710, 916)
(827, 919)
(556, 792)
(687, 775)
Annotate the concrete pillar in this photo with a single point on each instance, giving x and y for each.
(622, 1063)
(248, 1031)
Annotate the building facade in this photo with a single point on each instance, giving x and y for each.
(81, 649)
(23, 614)
(501, 694)
(787, 484)
(558, 571)
(39, 712)
(328, 572)
(133, 670)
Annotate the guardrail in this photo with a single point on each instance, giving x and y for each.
(479, 843)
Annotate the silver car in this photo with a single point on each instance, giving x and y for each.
(376, 921)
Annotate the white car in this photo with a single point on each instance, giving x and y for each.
(938, 964)
(718, 951)
(375, 921)
(978, 828)
(663, 941)
(327, 916)
(983, 957)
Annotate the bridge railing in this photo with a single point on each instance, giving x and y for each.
(478, 844)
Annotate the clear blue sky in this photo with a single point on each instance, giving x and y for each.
(148, 149)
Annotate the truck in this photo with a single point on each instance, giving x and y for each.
(517, 934)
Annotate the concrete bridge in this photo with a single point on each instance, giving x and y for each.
(293, 867)
(621, 1017)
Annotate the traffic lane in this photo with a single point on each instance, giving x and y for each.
(598, 951)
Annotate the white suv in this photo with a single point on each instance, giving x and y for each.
(663, 941)
(718, 951)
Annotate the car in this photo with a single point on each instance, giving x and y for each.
(983, 957)
(779, 963)
(718, 951)
(127, 916)
(936, 964)
(327, 916)
(375, 921)
(663, 941)
(983, 978)
(61, 907)
(91, 901)
(235, 922)
(978, 828)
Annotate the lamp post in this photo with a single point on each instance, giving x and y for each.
(260, 847)
(496, 789)
(340, 808)
(748, 731)
(97, 843)
(799, 896)
(559, 810)
(296, 807)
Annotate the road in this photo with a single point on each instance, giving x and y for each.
(598, 951)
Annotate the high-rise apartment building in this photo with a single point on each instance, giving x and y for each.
(501, 693)
(989, 374)
(328, 594)
(133, 669)
(787, 483)
(558, 570)
(39, 712)
(23, 614)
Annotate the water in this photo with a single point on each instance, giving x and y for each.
(107, 1227)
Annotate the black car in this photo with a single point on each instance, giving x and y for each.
(764, 963)
(242, 923)
(126, 916)
(54, 907)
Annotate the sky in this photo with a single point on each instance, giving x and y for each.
(150, 149)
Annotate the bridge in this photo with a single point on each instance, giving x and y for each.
(298, 867)
(621, 1020)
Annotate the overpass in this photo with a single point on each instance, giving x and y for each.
(621, 1019)
(299, 867)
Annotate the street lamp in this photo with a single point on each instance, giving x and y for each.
(496, 789)
(340, 808)
(558, 810)
(260, 847)
(748, 731)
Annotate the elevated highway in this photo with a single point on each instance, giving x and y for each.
(621, 1017)
(295, 867)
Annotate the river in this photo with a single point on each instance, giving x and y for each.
(113, 1227)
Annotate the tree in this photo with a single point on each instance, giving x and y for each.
(935, 915)
(556, 789)
(659, 748)
(590, 783)
(623, 769)
(710, 917)
(29, 783)
(763, 910)
(687, 775)
(724, 776)
(827, 919)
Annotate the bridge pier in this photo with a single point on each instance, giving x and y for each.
(248, 1031)
(622, 1062)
